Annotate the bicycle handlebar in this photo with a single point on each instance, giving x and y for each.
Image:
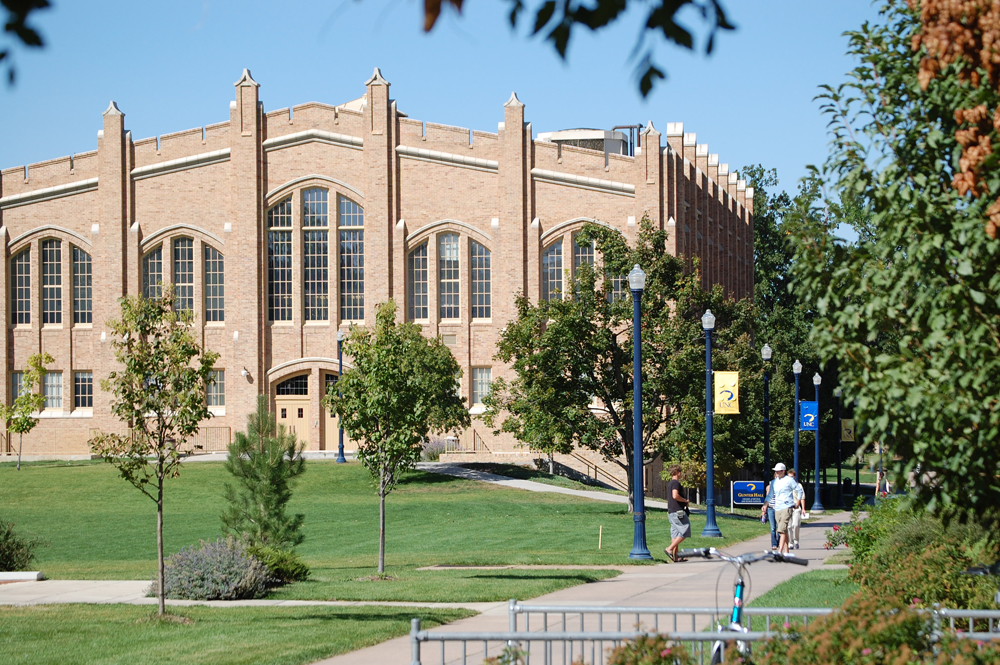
(709, 552)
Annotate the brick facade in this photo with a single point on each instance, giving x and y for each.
(415, 182)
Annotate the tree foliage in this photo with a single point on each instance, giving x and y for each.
(17, 27)
(19, 415)
(911, 313)
(159, 396)
(401, 387)
(263, 461)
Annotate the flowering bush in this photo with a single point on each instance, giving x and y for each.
(222, 570)
(651, 650)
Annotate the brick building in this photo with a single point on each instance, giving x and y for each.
(281, 228)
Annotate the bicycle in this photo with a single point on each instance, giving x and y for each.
(736, 619)
(991, 570)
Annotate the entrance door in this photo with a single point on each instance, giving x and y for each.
(293, 413)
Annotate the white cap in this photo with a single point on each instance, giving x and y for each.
(779, 467)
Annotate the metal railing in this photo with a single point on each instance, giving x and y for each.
(453, 444)
(209, 439)
(599, 472)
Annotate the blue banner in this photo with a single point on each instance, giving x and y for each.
(809, 416)
(748, 492)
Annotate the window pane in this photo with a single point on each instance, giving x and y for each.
(216, 393)
(481, 279)
(280, 216)
(51, 281)
(83, 390)
(184, 274)
(582, 254)
(152, 273)
(53, 390)
(215, 285)
(21, 288)
(351, 214)
(481, 377)
(16, 385)
(316, 284)
(314, 207)
(552, 272)
(352, 260)
(417, 279)
(297, 385)
(279, 275)
(617, 287)
(448, 275)
(83, 293)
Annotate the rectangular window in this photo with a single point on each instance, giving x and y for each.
(481, 378)
(352, 260)
(582, 254)
(16, 385)
(316, 282)
(184, 274)
(83, 293)
(51, 281)
(21, 288)
(53, 390)
(480, 259)
(448, 273)
(216, 393)
(279, 275)
(152, 273)
(552, 272)
(616, 287)
(215, 285)
(314, 207)
(417, 278)
(83, 390)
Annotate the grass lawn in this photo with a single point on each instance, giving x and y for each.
(817, 588)
(99, 527)
(106, 634)
(524, 473)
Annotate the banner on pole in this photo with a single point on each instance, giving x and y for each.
(809, 416)
(727, 392)
(847, 429)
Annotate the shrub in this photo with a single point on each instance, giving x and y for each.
(651, 650)
(433, 448)
(285, 566)
(222, 570)
(16, 552)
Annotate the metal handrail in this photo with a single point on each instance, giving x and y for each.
(597, 470)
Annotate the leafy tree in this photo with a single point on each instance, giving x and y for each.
(402, 387)
(18, 13)
(18, 415)
(912, 311)
(263, 461)
(159, 394)
(572, 358)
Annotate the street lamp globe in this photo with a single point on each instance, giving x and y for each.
(340, 335)
(817, 379)
(765, 353)
(637, 279)
(797, 367)
(837, 393)
(708, 320)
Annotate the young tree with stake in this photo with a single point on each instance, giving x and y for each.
(18, 415)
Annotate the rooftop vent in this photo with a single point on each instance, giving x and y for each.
(616, 143)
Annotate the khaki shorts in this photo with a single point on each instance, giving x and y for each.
(680, 525)
(783, 517)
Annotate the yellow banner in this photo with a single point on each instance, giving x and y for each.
(847, 429)
(727, 392)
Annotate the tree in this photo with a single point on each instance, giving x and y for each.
(159, 394)
(402, 387)
(18, 415)
(18, 13)
(572, 359)
(263, 461)
(911, 312)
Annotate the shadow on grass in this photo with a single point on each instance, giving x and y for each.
(582, 579)
(422, 478)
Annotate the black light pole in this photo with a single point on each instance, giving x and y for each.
(796, 369)
(340, 372)
(817, 506)
(765, 353)
(711, 529)
(840, 451)
(637, 282)
(857, 455)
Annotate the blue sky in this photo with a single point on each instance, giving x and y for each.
(170, 66)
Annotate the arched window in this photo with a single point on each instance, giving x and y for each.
(315, 248)
(20, 282)
(582, 253)
(184, 274)
(51, 281)
(480, 259)
(215, 285)
(552, 271)
(351, 221)
(279, 261)
(152, 273)
(297, 385)
(83, 293)
(416, 267)
(448, 276)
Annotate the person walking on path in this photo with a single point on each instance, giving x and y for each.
(784, 500)
(677, 512)
(798, 510)
(767, 512)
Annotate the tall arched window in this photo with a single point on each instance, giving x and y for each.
(215, 285)
(552, 271)
(315, 248)
(184, 274)
(351, 221)
(416, 267)
(448, 276)
(20, 289)
(480, 259)
(279, 261)
(51, 281)
(83, 294)
(152, 273)
(582, 253)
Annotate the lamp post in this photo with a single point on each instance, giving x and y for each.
(637, 282)
(340, 372)
(840, 451)
(817, 506)
(711, 529)
(765, 353)
(797, 369)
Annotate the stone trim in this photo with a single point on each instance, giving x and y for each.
(154, 237)
(280, 189)
(182, 164)
(48, 227)
(426, 230)
(581, 182)
(561, 226)
(48, 193)
(310, 135)
(448, 159)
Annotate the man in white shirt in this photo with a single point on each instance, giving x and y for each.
(798, 510)
(784, 501)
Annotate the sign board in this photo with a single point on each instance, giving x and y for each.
(809, 416)
(847, 429)
(727, 392)
(747, 493)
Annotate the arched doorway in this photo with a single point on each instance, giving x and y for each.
(291, 404)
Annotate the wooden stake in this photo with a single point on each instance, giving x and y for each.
(600, 537)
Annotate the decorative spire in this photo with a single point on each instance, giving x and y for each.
(113, 109)
(513, 101)
(246, 80)
(377, 79)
